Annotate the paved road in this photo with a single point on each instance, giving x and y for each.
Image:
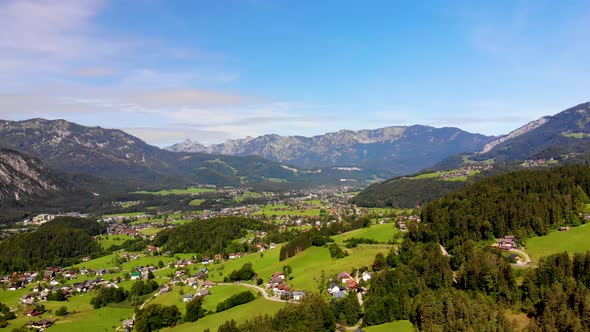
(260, 289)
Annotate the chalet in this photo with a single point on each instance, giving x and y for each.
(206, 260)
(41, 325)
(163, 290)
(351, 284)
(231, 256)
(128, 324)
(344, 277)
(564, 229)
(27, 299)
(514, 258)
(31, 312)
(366, 276)
(203, 292)
(152, 249)
(506, 243)
(135, 275)
(208, 284)
(273, 245)
(187, 298)
(334, 288)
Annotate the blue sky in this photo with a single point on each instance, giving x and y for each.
(215, 70)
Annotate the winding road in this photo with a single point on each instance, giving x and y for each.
(260, 289)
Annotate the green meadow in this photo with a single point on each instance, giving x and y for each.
(284, 210)
(397, 326)
(107, 241)
(577, 239)
(187, 191)
(240, 314)
(308, 265)
(382, 233)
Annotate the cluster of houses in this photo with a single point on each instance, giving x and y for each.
(536, 162)
(465, 171)
(346, 283)
(278, 286)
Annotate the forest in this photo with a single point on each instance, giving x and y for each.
(521, 203)
(207, 237)
(57, 243)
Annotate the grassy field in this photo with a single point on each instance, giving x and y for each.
(196, 202)
(150, 231)
(574, 240)
(187, 191)
(575, 135)
(381, 233)
(398, 326)
(89, 319)
(130, 214)
(307, 266)
(284, 210)
(438, 174)
(239, 314)
(112, 240)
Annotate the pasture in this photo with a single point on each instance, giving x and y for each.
(397, 326)
(573, 241)
(382, 233)
(187, 191)
(240, 314)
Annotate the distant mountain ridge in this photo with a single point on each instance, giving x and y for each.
(398, 149)
(548, 137)
(120, 158)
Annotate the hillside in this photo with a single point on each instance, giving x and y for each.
(113, 154)
(399, 150)
(522, 203)
(23, 178)
(549, 137)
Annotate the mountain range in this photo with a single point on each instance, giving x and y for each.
(397, 150)
(563, 138)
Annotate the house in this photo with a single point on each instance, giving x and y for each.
(506, 243)
(514, 258)
(41, 325)
(298, 295)
(135, 275)
(203, 292)
(218, 257)
(27, 299)
(333, 289)
(366, 276)
(208, 284)
(272, 245)
(351, 284)
(231, 256)
(564, 229)
(128, 324)
(187, 298)
(31, 312)
(344, 277)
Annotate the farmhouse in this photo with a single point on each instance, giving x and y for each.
(506, 243)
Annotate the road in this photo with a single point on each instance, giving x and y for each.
(527, 258)
(260, 289)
